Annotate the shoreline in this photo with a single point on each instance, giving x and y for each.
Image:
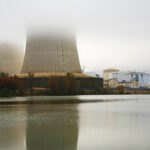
(76, 99)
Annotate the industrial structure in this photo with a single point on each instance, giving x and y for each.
(106, 76)
(129, 79)
(11, 59)
(92, 74)
(148, 86)
(51, 53)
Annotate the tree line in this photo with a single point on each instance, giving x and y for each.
(13, 86)
(9, 86)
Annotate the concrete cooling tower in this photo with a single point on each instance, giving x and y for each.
(51, 53)
(11, 59)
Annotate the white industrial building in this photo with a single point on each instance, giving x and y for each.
(129, 79)
(133, 79)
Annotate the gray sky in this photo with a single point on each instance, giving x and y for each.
(110, 33)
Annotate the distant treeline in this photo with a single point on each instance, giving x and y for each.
(13, 86)
(66, 85)
(62, 85)
(9, 86)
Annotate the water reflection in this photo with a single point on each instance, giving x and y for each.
(52, 127)
(113, 125)
(12, 128)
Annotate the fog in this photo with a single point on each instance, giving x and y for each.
(110, 33)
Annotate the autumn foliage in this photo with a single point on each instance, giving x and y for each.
(9, 86)
(65, 85)
(121, 89)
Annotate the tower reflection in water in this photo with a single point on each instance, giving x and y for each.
(53, 127)
(12, 127)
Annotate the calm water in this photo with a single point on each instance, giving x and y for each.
(117, 123)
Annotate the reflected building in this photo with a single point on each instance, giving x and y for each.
(39, 127)
(55, 127)
(11, 59)
(13, 128)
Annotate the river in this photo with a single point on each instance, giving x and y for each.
(115, 122)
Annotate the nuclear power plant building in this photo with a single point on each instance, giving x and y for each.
(51, 53)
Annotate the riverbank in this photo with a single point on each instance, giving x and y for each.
(102, 91)
(128, 91)
(67, 99)
(46, 100)
(85, 92)
(46, 92)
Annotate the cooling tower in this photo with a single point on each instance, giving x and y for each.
(11, 59)
(51, 53)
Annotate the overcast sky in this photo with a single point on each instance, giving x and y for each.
(110, 33)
